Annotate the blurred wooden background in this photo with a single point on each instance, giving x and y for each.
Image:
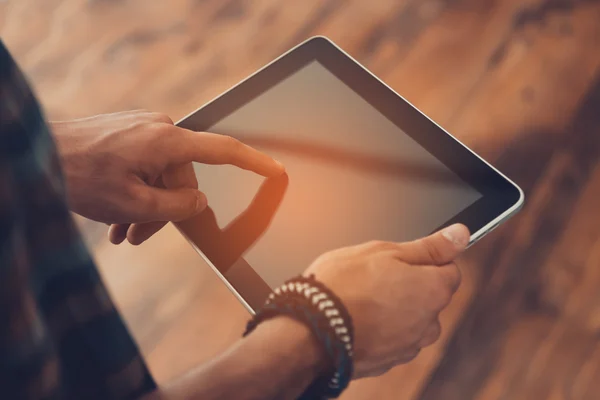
(517, 80)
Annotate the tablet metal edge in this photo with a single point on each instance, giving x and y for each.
(476, 236)
(216, 270)
(496, 221)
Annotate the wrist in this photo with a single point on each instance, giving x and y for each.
(309, 301)
(277, 361)
(74, 162)
(297, 344)
(64, 138)
(294, 357)
(60, 133)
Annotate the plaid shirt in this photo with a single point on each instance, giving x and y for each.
(60, 335)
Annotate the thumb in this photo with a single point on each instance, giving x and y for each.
(161, 204)
(439, 248)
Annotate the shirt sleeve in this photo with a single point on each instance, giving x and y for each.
(61, 336)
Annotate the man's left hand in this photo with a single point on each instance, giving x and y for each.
(134, 169)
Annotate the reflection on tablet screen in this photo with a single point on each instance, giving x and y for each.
(354, 176)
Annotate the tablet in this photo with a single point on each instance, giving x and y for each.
(362, 164)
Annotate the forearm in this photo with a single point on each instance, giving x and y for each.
(276, 361)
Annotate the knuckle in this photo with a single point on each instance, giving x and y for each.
(441, 293)
(155, 129)
(444, 298)
(379, 245)
(233, 143)
(432, 335)
(162, 118)
(144, 202)
(150, 203)
(375, 244)
(410, 355)
(231, 147)
(397, 254)
(164, 128)
(199, 200)
(164, 136)
(432, 250)
(436, 332)
(455, 276)
(129, 192)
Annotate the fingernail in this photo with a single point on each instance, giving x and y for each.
(201, 201)
(457, 234)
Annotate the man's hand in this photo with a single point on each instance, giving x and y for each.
(136, 168)
(394, 293)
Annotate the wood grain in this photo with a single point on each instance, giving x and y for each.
(514, 79)
(543, 280)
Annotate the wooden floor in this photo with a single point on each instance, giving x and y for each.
(517, 80)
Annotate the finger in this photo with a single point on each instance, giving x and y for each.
(159, 204)
(139, 233)
(451, 274)
(178, 176)
(443, 282)
(448, 275)
(431, 334)
(437, 249)
(211, 148)
(117, 233)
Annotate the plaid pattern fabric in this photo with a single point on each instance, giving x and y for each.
(60, 335)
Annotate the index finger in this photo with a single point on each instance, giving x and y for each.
(217, 149)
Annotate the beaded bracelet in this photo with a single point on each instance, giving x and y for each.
(312, 303)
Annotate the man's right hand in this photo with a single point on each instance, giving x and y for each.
(394, 293)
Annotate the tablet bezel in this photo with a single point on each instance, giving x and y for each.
(500, 196)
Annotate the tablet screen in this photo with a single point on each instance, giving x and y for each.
(353, 176)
